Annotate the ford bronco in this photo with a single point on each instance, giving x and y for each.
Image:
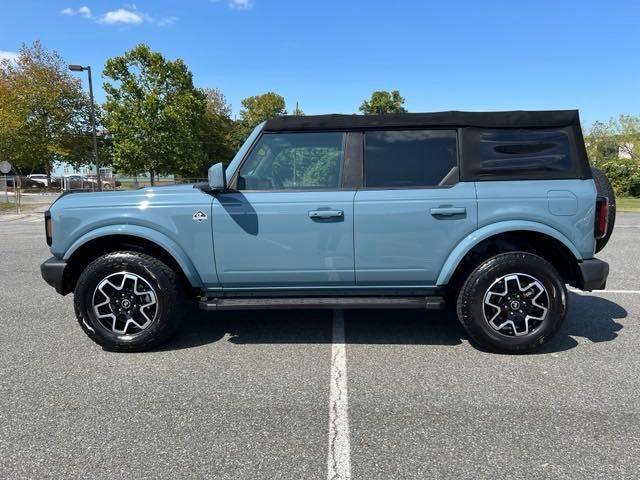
(494, 213)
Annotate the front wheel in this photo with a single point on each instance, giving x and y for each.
(512, 302)
(128, 301)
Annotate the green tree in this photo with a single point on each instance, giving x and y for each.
(259, 108)
(615, 148)
(297, 111)
(217, 130)
(256, 110)
(624, 175)
(619, 137)
(217, 102)
(153, 114)
(382, 101)
(601, 144)
(43, 111)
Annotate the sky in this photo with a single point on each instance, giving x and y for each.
(329, 55)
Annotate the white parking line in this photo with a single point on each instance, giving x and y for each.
(575, 290)
(339, 458)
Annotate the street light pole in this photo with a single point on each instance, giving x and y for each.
(79, 68)
(93, 124)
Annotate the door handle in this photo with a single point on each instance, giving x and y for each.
(448, 211)
(325, 214)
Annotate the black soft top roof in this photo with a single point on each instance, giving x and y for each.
(512, 119)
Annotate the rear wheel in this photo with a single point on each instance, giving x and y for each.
(512, 303)
(128, 301)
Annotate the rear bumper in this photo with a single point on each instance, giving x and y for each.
(593, 274)
(53, 272)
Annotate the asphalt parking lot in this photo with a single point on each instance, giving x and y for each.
(254, 395)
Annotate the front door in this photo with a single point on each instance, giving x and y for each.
(412, 210)
(289, 222)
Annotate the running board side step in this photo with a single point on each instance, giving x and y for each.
(423, 303)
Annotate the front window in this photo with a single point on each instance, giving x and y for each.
(233, 165)
(294, 161)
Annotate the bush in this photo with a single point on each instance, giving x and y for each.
(624, 175)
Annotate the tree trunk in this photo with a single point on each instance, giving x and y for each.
(47, 168)
(151, 174)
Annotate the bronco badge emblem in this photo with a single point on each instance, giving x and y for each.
(199, 216)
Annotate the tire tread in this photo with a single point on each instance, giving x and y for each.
(115, 261)
(469, 294)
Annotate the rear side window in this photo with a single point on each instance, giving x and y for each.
(409, 158)
(530, 150)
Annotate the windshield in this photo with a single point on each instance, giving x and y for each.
(233, 166)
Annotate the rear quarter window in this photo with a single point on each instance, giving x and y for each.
(509, 150)
(519, 154)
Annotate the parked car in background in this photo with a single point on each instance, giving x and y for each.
(494, 213)
(56, 183)
(84, 183)
(75, 183)
(27, 182)
(40, 178)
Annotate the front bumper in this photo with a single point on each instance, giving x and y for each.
(593, 274)
(52, 271)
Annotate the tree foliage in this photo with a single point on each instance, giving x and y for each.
(616, 137)
(615, 148)
(217, 130)
(601, 144)
(153, 114)
(257, 109)
(44, 114)
(382, 102)
(297, 110)
(624, 175)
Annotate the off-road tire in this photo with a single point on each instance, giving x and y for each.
(470, 302)
(170, 300)
(604, 189)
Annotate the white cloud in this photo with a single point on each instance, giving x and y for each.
(129, 14)
(83, 11)
(6, 55)
(240, 4)
(166, 21)
(122, 15)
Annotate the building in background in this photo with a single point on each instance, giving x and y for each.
(63, 169)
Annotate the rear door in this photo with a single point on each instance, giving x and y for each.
(289, 222)
(412, 210)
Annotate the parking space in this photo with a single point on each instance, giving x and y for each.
(249, 394)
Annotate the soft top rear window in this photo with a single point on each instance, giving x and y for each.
(522, 154)
(524, 150)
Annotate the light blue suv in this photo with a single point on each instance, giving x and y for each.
(492, 212)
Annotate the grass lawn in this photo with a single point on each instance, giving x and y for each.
(628, 204)
(7, 207)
